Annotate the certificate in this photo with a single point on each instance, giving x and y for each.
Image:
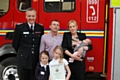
(57, 72)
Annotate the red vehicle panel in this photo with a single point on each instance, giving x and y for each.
(89, 14)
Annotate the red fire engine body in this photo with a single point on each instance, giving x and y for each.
(94, 17)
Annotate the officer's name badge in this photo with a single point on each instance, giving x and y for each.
(25, 32)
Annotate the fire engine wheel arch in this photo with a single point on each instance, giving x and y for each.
(8, 69)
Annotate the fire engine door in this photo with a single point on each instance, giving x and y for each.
(61, 10)
(6, 14)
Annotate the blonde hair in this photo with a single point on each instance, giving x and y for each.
(72, 21)
(61, 55)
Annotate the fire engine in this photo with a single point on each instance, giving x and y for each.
(94, 17)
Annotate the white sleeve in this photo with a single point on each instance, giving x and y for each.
(65, 62)
(50, 63)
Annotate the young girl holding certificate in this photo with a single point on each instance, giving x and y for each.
(59, 66)
(42, 68)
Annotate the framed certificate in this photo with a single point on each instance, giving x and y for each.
(57, 72)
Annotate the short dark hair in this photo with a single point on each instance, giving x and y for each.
(54, 20)
(44, 52)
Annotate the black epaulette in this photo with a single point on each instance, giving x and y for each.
(40, 24)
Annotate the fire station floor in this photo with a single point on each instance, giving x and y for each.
(95, 79)
(95, 76)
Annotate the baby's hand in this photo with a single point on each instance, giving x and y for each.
(79, 55)
(81, 59)
(79, 42)
(85, 48)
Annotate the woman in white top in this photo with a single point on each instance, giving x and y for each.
(58, 60)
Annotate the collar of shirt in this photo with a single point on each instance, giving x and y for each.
(56, 59)
(30, 25)
(43, 65)
(52, 35)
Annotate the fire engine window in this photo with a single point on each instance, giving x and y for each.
(24, 4)
(59, 5)
(4, 5)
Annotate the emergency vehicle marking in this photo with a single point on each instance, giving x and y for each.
(89, 33)
(92, 13)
